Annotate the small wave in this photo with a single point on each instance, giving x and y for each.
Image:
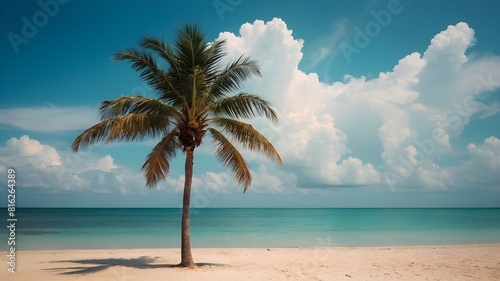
(36, 232)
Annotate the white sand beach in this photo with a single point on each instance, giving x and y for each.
(456, 262)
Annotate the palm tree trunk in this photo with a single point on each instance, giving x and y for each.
(186, 257)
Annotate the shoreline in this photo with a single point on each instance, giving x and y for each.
(259, 247)
(431, 262)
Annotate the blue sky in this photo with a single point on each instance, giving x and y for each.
(382, 103)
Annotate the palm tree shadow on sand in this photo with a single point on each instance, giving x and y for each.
(96, 265)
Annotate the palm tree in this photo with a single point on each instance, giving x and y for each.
(194, 97)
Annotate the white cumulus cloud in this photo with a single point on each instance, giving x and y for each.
(106, 164)
(411, 112)
(44, 167)
(484, 165)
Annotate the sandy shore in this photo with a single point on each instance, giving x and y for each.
(465, 262)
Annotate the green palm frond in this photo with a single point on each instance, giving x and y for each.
(162, 49)
(157, 164)
(244, 106)
(250, 138)
(135, 104)
(215, 53)
(132, 126)
(175, 73)
(230, 79)
(231, 158)
(145, 63)
(190, 47)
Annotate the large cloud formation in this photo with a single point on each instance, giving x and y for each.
(416, 108)
(43, 167)
(52, 171)
(395, 130)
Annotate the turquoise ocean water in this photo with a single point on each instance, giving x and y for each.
(158, 228)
